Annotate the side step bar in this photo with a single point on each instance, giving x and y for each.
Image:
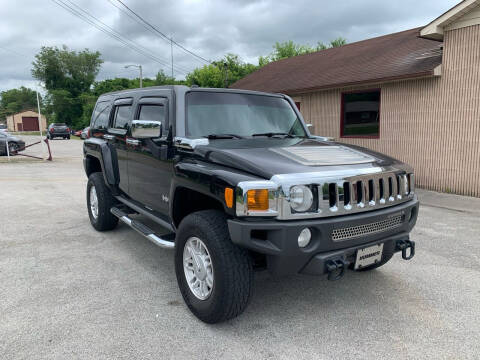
(166, 242)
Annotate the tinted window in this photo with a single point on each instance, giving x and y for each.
(152, 112)
(361, 114)
(101, 116)
(122, 116)
(240, 114)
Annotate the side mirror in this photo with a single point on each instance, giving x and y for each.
(146, 129)
(311, 128)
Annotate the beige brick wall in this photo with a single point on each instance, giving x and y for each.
(431, 123)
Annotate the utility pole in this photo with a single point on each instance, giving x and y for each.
(225, 66)
(171, 52)
(140, 68)
(40, 126)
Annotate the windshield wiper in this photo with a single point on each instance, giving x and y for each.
(223, 136)
(271, 134)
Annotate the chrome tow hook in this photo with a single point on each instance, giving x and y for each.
(336, 268)
(404, 245)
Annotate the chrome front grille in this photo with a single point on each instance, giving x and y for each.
(346, 193)
(365, 193)
(366, 229)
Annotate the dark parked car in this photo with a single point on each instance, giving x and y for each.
(58, 130)
(239, 184)
(15, 144)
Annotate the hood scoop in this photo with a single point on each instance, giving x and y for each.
(323, 155)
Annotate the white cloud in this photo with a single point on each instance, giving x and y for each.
(210, 28)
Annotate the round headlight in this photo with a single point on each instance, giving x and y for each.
(301, 198)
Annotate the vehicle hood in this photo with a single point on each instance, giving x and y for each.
(266, 157)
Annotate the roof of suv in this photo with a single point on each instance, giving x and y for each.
(181, 89)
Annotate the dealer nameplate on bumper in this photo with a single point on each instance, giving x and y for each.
(368, 256)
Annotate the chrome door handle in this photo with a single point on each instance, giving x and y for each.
(133, 141)
(108, 137)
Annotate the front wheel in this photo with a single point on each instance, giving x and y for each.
(12, 148)
(214, 275)
(99, 202)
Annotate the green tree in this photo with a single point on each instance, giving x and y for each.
(15, 100)
(66, 75)
(227, 70)
(287, 49)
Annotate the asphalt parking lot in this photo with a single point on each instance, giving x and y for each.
(67, 291)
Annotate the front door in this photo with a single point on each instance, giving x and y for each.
(149, 170)
(117, 135)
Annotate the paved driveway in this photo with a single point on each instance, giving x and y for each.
(67, 291)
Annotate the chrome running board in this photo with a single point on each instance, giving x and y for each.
(167, 242)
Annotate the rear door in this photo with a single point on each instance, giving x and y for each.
(150, 172)
(116, 135)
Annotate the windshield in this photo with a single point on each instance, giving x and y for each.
(240, 114)
(59, 124)
(3, 126)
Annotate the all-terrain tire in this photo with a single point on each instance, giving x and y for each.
(104, 220)
(232, 268)
(388, 252)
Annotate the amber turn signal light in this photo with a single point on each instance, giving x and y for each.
(257, 200)
(229, 197)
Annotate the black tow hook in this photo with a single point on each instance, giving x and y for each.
(404, 245)
(336, 268)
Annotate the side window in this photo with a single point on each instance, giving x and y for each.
(122, 116)
(152, 112)
(101, 116)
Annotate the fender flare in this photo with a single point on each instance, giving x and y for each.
(110, 164)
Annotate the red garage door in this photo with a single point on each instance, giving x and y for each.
(30, 123)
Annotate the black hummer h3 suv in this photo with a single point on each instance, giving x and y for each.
(240, 184)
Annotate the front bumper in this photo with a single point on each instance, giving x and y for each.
(278, 239)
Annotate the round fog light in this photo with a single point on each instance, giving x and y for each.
(304, 237)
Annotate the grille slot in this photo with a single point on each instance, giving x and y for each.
(366, 229)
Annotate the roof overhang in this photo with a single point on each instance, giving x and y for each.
(436, 28)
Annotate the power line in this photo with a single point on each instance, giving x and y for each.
(12, 51)
(113, 33)
(117, 36)
(122, 36)
(163, 35)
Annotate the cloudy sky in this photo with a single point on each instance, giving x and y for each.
(209, 28)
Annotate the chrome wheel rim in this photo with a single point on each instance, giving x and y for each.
(198, 268)
(12, 147)
(93, 202)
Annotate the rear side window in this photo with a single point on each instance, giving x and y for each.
(122, 116)
(101, 115)
(152, 112)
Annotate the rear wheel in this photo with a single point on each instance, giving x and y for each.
(99, 202)
(214, 275)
